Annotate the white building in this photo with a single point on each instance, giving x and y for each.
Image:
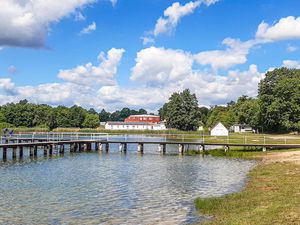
(219, 130)
(237, 128)
(134, 126)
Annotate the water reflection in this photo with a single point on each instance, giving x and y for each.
(113, 188)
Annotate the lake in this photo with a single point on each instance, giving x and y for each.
(115, 188)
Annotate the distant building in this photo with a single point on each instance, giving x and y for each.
(134, 126)
(219, 130)
(143, 118)
(238, 128)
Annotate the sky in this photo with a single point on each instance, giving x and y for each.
(135, 53)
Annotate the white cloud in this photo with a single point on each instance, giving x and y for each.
(89, 28)
(79, 16)
(159, 65)
(148, 40)
(291, 64)
(113, 2)
(286, 28)
(25, 23)
(103, 74)
(291, 48)
(235, 53)
(174, 13)
(210, 87)
(6, 84)
(157, 70)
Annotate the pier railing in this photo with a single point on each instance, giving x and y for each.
(231, 139)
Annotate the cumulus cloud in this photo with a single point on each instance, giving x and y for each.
(102, 74)
(157, 70)
(210, 87)
(25, 23)
(236, 53)
(160, 65)
(286, 28)
(291, 64)
(90, 28)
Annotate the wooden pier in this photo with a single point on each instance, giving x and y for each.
(16, 146)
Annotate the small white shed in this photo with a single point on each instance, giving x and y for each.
(219, 130)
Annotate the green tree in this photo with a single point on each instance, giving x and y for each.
(104, 116)
(247, 111)
(279, 100)
(91, 120)
(223, 114)
(182, 111)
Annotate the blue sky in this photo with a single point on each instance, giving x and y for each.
(220, 49)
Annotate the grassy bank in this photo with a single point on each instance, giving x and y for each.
(271, 196)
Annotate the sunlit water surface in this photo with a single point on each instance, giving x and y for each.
(114, 188)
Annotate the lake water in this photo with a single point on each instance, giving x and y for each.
(114, 188)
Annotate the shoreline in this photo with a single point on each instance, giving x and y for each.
(270, 196)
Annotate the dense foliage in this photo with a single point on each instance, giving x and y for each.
(24, 114)
(120, 115)
(182, 111)
(276, 109)
(279, 100)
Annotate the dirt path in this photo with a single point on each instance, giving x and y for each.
(293, 156)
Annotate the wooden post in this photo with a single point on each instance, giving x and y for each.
(181, 148)
(62, 149)
(96, 146)
(76, 147)
(21, 152)
(31, 151)
(140, 147)
(50, 150)
(120, 147)
(125, 147)
(107, 147)
(264, 149)
(201, 148)
(85, 147)
(162, 148)
(45, 151)
(4, 153)
(226, 148)
(35, 150)
(14, 153)
(100, 147)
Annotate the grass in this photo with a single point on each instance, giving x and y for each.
(272, 196)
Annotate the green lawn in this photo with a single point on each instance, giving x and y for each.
(272, 196)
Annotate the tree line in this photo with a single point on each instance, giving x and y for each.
(25, 114)
(276, 108)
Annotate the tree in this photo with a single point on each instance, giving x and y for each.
(91, 120)
(104, 116)
(163, 111)
(279, 100)
(223, 114)
(182, 111)
(247, 111)
(77, 115)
